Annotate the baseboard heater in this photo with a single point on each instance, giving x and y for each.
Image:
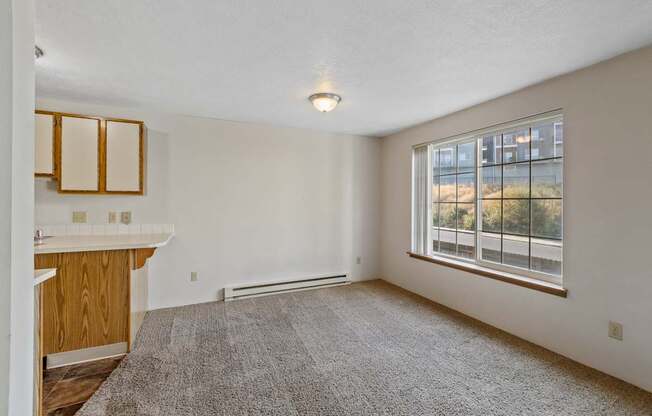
(269, 288)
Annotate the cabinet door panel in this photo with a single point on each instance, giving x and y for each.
(87, 303)
(79, 154)
(123, 156)
(44, 144)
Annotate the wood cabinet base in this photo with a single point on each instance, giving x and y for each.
(90, 309)
(87, 304)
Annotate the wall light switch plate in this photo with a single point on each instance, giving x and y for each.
(616, 330)
(358, 260)
(125, 217)
(79, 217)
(113, 217)
(194, 276)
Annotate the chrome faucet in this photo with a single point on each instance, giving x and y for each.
(38, 236)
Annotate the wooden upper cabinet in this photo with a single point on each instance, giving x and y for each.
(79, 154)
(124, 157)
(44, 128)
(94, 155)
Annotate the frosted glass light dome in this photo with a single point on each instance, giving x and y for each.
(325, 101)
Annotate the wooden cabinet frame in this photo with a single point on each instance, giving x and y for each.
(101, 165)
(58, 152)
(141, 157)
(54, 173)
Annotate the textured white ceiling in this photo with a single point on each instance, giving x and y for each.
(395, 62)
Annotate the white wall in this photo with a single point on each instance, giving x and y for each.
(6, 81)
(249, 202)
(608, 194)
(16, 206)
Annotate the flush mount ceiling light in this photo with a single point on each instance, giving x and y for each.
(38, 52)
(325, 101)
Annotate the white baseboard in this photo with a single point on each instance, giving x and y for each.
(62, 359)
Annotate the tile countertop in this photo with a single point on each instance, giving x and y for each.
(77, 243)
(41, 275)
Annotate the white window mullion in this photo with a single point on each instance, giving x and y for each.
(428, 248)
(478, 213)
(420, 199)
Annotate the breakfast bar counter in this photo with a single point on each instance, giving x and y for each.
(94, 305)
(78, 243)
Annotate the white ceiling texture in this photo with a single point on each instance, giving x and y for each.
(394, 62)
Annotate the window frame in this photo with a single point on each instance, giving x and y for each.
(556, 116)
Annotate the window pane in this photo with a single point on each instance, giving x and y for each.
(491, 149)
(435, 215)
(447, 242)
(516, 146)
(447, 188)
(491, 247)
(466, 157)
(546, 218)
(491, 216)
(466, 244)
(435, 188)
(466, 217)
(516, 216)
(516, 180)
(447, 159)
(559, 139)
(466, 187)
(434, 234)
(546, 256)
(516, 251)
(491, 184)
(435, 162)
(547, 179)
(543, 142)
(447, 217)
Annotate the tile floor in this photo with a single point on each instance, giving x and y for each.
(66, 389)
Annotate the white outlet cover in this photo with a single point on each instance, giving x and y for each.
(79, 217)
(125, 217)
(616, 330)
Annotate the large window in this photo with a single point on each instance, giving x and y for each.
(495, 198)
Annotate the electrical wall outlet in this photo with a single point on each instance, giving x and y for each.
(616, 330)
(79, 217)
(358, 260)
(113, 217)
(125, 217)
(194, 276)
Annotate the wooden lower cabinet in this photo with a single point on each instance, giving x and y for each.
(96, 299)
(87, 303)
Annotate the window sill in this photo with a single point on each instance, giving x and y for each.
(495, 274)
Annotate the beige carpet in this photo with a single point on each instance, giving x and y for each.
(365, 349)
